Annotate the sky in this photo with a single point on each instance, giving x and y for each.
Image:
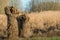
(26, 5)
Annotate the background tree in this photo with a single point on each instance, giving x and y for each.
(45, 5)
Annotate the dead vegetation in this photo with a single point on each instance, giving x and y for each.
(42, 22)
(3, 4)
(3, 26)
(45, 23)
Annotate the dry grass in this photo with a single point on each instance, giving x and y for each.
(3, 26)
(38, 20)
(43, 21)
(3, 21)
(3, 4)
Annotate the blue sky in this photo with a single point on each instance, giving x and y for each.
(25, 5)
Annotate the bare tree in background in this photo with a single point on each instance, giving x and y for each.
(15, 3)
(42, 5)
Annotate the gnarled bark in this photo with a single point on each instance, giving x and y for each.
(12, 27)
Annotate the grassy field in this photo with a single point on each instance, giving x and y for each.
(3, 22)
(42, 38)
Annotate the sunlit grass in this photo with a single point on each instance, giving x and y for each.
(42, 38)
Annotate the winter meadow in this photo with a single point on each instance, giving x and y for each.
(29, 19)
